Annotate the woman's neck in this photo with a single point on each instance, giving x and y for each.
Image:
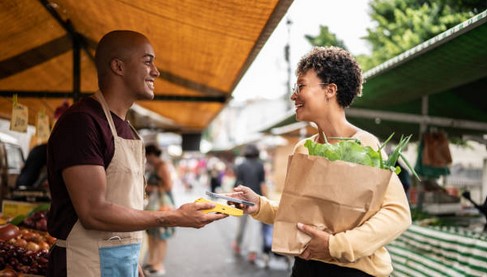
(337, 130)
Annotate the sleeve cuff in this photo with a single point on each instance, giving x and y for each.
(266, 212)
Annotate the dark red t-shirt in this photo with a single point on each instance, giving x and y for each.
(81, 136)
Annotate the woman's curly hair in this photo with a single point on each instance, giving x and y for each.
(334, 65)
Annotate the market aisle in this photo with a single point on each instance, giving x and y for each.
(206, 252)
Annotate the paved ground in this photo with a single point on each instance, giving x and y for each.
(206, 252)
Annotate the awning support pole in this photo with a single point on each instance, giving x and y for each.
(422, 129)
(76, 67)
(483, 192)
(424, 111)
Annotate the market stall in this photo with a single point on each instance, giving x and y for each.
(439, 251)
(203, 50)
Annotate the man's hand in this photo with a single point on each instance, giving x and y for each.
(191, 215)
(318, 246)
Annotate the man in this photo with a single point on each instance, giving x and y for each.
(96, 170)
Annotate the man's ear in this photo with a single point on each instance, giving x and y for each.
(117, 66)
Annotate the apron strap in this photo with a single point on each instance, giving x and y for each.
(137, 136)
(61, 243)
(108, 115)
(106, 110)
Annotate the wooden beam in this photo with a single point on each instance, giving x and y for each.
(69, 94)
(34, 57)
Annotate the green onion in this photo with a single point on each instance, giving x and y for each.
(351, 150)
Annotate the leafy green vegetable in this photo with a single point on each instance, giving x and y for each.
(18, 219)
(351, 150)
(40, 208)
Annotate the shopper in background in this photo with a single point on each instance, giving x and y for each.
(250, 173)
(216, 170)
(159, 186)
(34, 172)
(96, 170)
(405, 177)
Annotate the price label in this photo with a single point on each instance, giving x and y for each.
(20, 118)
(42, 128)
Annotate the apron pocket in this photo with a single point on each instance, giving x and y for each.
(119, 258)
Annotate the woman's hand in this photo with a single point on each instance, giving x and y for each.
(318, 246)
(245, 193)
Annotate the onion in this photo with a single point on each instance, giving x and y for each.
(8, 272)
(32, 246)
(8, 231)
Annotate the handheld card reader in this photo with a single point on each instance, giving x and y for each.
(221, 208)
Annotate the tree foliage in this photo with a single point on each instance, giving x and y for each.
(402, 24)
(325, 38)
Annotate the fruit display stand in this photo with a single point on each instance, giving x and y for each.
(24, 241)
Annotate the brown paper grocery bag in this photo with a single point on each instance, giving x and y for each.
(333, 196)
(436, 150)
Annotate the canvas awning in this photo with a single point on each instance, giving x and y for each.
(203, 49)
(441, 83)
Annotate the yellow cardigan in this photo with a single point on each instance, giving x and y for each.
(362, 247)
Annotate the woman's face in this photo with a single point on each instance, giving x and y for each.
(308, 96)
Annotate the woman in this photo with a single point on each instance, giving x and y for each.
(328, 80)
(159, 185)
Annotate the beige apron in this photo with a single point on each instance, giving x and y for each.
(98, 253)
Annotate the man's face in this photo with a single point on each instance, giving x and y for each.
(141, 71)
